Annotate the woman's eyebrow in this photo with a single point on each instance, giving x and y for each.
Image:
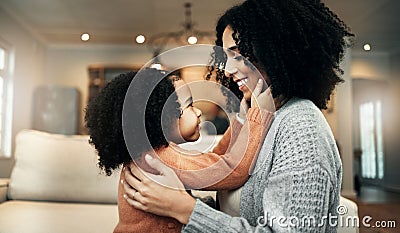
(187, 102)
(233, 47)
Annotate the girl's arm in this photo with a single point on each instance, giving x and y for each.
(212, 171)
(229, 136)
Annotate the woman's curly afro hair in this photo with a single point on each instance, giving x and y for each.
(104, 117)
(298, 43)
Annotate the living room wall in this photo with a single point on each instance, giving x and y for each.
(67, 65)
(28, 53)
(392, 175)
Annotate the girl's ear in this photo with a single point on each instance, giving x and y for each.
(174, 134)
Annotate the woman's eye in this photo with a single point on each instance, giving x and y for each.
(238, 58)
(188, 106)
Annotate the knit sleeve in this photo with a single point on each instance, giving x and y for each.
(211, 171)
(298, 211)
(207, 219)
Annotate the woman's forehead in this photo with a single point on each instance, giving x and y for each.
(227, 39)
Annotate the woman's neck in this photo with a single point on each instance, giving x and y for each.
(280, 101)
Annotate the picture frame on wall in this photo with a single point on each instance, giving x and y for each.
(100, 75)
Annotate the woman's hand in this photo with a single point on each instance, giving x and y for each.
(162, 194)
(263, 99)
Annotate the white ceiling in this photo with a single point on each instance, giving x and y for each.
(119, 21)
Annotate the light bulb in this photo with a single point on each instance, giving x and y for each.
(192, 40)
(140, 39)
(85, 37)
(367, 47)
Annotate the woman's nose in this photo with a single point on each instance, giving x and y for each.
(230, 69)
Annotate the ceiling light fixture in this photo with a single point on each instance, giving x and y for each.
(192, 40)
(188, 35)
(140, 39)
(85, 37)
(367, 47)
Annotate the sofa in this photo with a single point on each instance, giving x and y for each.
(56, 187)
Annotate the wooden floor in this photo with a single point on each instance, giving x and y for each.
(381, 206)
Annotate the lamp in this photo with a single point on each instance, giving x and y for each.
(188, 35)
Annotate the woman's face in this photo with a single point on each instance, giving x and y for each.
(188, 122)
(245, 76)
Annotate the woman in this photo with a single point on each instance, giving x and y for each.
(297, 46)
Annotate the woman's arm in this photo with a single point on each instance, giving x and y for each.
(211, 171)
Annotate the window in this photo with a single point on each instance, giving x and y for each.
(371, 140)
(5, 99)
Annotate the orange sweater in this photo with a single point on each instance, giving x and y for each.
(227, 167)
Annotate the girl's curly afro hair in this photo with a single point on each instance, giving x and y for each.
(104, 117)
(298, 43)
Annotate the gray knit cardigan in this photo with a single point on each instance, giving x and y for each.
(295, 185)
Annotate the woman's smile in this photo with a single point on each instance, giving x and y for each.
(241, 83)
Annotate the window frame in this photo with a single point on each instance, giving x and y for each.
(373, 164)
(7, 98)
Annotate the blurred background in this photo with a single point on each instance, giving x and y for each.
(68, 50)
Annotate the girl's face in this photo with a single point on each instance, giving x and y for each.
(245, 76)
(189, 120)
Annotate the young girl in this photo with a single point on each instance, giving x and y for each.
(227, 167)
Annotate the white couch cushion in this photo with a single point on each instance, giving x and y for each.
(45, 217)
(3, 189)
(54, 167)
(349, 211)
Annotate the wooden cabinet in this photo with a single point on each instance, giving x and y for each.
(99, 76)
